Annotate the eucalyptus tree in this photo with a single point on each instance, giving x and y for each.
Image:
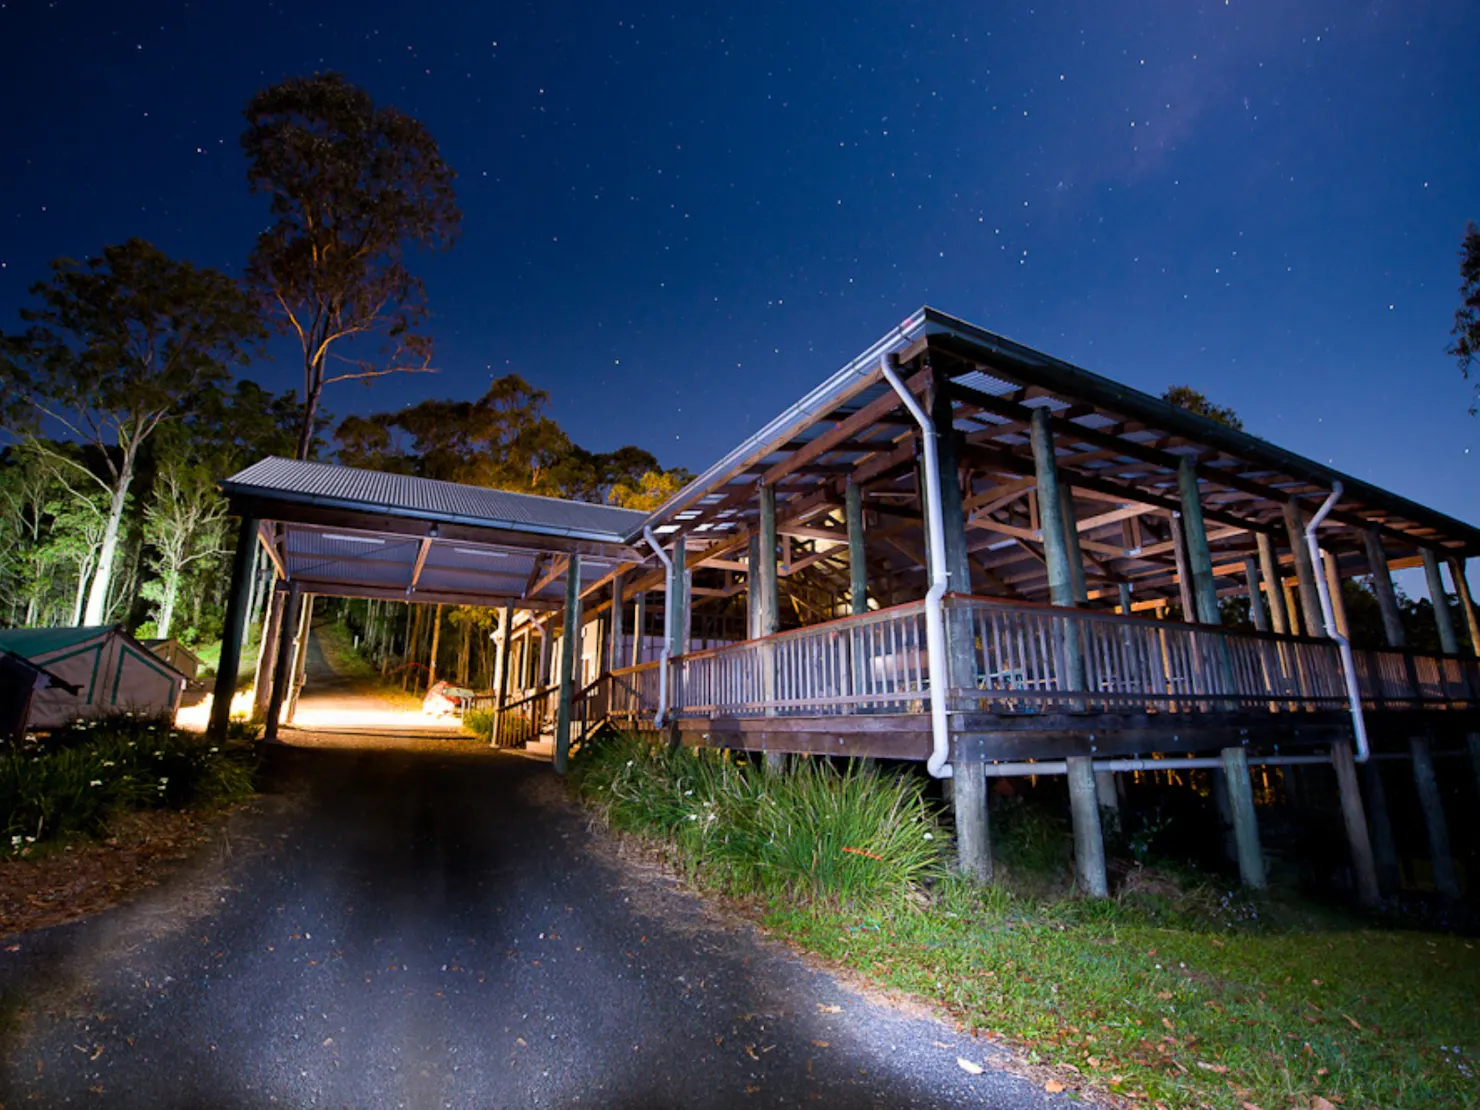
(353, 186)
(1466, 330)
(185, 524)
(120, 345)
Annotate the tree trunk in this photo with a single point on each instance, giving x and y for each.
(97, 596)
(167, 606)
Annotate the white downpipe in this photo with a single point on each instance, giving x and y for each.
(665, 655)
(935, 624)
(1348, 665)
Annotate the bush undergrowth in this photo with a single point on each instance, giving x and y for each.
(852, 837)
(72, 781)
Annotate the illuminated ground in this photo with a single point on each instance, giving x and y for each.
(415, 928)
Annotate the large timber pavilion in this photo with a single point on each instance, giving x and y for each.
(955, 549)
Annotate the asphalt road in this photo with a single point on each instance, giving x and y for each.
(393, 928)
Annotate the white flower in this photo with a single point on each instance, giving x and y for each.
(96, 782)
(163, 779)
(929, 836)
(15, 841)
(108, 763)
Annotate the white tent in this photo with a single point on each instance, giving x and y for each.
(112, 671)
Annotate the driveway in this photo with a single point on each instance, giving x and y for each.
(441, 928)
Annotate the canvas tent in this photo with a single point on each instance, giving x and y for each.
(111, 670)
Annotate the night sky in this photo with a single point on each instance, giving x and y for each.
(678, 220)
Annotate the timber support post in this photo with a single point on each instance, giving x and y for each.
(1432, 804)
(570, 661)
(505, 651)
(282, 670)
(1245, 819)
(857, 556)
(237, 604)
(767, 603)
(1466, 603)
(267, 654)
(1382, 582)
(969, 780)
(616, 630)
(1364, 868)
(1312, 619)
(1089, 841)
(1199, 557)
(1443, 619)
(1269, 570)
(300, 655)
(1257, 613)
(1385, 849)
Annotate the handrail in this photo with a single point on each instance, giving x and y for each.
(871, 617)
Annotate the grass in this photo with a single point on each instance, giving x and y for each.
(1179, 992)
(71, 782)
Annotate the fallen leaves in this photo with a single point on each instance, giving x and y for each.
(1053, 1087)
(968, 1067)
(822, 1008)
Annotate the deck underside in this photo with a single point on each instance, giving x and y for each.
(990, 737)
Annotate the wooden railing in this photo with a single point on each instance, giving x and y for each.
(1035, 658)
(1021, 658)
(874, 663)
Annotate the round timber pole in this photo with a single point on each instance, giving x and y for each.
(237, 604)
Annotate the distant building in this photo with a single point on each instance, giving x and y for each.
(177, 655)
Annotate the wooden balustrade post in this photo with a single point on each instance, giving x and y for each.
(1430, 801)
(1245, 819)
(639, 626)
(570, 660)
(1364, 867)
(1089, 841)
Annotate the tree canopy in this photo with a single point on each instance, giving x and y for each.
(120, 345)
(1466, 331)
(352, 187)
(1185, 397)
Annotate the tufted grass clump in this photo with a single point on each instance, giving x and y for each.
(853, 836)
(72, 781)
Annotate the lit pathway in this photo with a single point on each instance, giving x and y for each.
(414, 928)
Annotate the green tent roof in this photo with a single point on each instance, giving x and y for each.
(32, 643)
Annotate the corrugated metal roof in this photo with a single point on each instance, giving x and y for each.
(426, 498)
(33, 643)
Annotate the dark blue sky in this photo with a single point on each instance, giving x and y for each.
(678, 220)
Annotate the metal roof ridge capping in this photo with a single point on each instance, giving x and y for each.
(408, 496)
(1034, 367)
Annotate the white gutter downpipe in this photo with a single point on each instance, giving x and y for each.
(1348, 665)
(935, 624)
(665, 655)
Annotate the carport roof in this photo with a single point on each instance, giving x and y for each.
(402, 495)
(338, 531)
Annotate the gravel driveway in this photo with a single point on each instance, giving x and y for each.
(420, 929)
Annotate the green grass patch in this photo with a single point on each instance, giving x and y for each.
(72, 782)
(1179, 992)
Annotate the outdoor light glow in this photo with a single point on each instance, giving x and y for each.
(355, 539)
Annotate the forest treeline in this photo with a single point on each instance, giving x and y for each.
(124, 396)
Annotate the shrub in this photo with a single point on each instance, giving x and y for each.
(854, 836)
(72, 781)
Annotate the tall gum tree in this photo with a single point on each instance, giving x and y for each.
(1466, 345)
(120, 345)
(353, 187)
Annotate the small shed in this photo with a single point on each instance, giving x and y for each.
(177, 655)
(109, 669)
